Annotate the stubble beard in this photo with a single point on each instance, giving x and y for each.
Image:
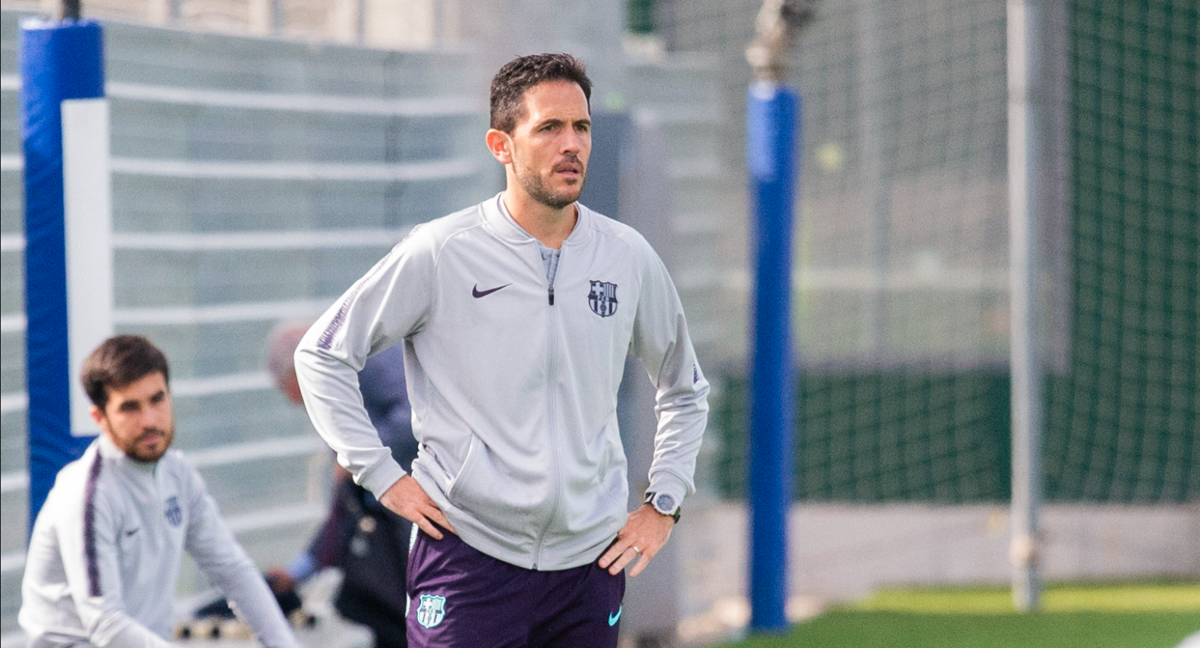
(532, 183)
(135, 451)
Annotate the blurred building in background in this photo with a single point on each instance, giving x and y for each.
(267, 152)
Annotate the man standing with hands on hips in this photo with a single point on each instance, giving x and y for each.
(516, 316)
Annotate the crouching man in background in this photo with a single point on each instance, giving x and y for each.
(106, 547)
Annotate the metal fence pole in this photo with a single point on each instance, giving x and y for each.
(1027, 103)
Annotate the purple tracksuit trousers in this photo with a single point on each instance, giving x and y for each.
(461, 598)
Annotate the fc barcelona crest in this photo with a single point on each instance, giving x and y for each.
(172, 512)
(603, 298)
(431, 610)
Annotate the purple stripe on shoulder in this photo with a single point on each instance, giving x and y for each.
(89, 528)
(326, 340)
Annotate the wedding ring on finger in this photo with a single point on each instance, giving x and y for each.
(636, 550)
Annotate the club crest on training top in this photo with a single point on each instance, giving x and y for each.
(603, 298)
(173, 513)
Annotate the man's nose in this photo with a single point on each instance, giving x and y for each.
(155, 416)
(572, 142)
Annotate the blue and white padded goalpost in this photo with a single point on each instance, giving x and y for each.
(68, 231)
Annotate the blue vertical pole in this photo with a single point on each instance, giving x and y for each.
(771, 116)
(58, 61)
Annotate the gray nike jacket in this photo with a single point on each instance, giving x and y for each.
(105, 555)
(513, 380)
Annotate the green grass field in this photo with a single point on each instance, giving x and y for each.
(1073, 616)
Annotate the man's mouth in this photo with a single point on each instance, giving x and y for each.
(154, 437)
(569, 168)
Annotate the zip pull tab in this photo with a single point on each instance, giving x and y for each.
(551, 295)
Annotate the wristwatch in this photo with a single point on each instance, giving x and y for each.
(665, 504)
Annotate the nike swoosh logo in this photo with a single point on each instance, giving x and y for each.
(129, 533)
(613, 618)
(477, 293)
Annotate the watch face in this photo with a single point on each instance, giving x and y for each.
(665, 503)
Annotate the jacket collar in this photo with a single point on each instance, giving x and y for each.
(501, 223)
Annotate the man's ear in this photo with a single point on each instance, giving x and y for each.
(98, 416)
(500, 144)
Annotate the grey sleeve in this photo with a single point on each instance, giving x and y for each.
(386, 305)
(661, 342)
(225, 563)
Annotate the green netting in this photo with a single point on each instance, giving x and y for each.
(1123, 425)
(1121, 409)
(885, 437)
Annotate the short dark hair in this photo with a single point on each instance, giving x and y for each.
(119, 361)
(522, 73)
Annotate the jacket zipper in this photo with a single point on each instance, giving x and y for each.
(551, 340)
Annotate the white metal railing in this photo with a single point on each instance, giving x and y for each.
(411, 25)
(11, 562)
(305, 103)
(14, 482)
(12, 242)
(256, 451)
(12, 323)
(219, 313)
(272, 518)
(223, 384)
(226, 455)
(283, 102)
(272, 170)
(183, 315)
(222, 241)
(13, 402)
(262, 240)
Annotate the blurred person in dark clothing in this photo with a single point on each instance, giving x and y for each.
(359, 536)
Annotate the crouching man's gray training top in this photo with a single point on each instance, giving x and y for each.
(513, 379)
(105, 553)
